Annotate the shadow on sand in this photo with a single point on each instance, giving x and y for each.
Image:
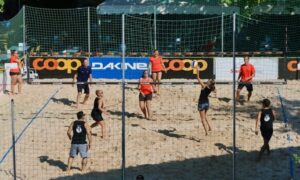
(272, 167)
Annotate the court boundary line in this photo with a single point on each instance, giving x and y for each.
(28, 125)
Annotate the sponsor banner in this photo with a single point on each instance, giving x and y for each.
(111, 67)
(55, 67)
(290, 68)
(266, 68)
(181, 68)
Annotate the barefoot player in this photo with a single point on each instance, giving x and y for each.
(78, 132)
(97, 113)
(265, 119)
(146, 89)
(83, 74)
(157, 66)
(15, 73)
(203, 103)
(247, 72)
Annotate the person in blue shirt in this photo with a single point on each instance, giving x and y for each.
(83, 74)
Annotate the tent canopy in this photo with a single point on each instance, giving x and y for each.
(205, 7)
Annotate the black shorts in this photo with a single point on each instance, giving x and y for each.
(266, 133)
(14, 73)
(147, 97)
(156, 72)
(96, 115)
(249, 86)
(84, 87)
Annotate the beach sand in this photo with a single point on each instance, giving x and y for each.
(171, 146)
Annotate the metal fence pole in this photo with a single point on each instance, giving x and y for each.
(222, 34)
(24, 45)
(89, 32)
(234, 98)
(123, 97)
(13, 137)
(155, 31)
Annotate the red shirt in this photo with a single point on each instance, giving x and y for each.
(156, 63)
(13, 59)
(146, 88)
(246, 71)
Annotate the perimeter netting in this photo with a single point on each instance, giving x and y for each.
(56, 31)
(170, 34)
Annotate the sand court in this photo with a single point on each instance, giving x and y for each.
(171, 146)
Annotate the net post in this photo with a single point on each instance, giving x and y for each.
(286, 51)
(155, 31)
(234, 98)
(123, 97)
(24, 45)
(13, 137)
(89, 31)
(222, 33)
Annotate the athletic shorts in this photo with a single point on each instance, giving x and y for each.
(79, 148)
(266, 133)
(96, 115)
(14, 73)
(147, 97)
(84, 87)
(156, 72)
(203, 106)
(249, 86)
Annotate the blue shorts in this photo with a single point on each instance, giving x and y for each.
(203, 106)
(79, 148)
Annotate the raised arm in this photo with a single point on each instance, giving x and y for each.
(199, 80)
(257, 122)
(69, 132)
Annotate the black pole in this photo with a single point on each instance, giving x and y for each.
(13, 137)
(286, 53)
(234, 98)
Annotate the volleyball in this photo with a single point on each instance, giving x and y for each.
(194, 64)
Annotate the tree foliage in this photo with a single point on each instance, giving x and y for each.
(1, 5)
(247, 6)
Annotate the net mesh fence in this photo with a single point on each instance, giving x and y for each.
(57, 31)
(173, 141)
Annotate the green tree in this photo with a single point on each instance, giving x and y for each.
(247, 6)
(1, 5)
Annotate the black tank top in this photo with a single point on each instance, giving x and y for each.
(96, 104)
(266, 119)
(79, 133)
(204, 95)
